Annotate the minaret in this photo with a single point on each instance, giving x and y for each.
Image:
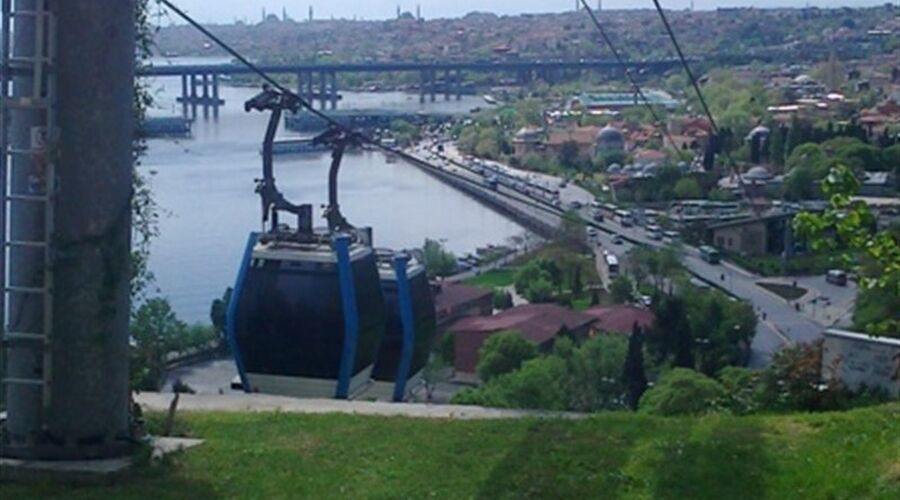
(310, 13)
(284, 13)
(418, 12)
(264, 14)
(398, 12)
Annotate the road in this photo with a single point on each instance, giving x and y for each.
(780, 321)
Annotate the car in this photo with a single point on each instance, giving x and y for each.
(592, 232)
(671, 234)
(654, 235)
(575, 205)
(836, 277)
(618, 239)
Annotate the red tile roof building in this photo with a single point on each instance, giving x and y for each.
(539, 324)
(620, 318)
(454, 300)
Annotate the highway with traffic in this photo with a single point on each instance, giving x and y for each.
(781, 321)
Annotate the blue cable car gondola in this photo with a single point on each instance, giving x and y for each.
(410, 329)
(308, 313)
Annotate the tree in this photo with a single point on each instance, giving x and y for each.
(633, 376)
(621, 290)
(593, 372)
(536, 385)
(777, 144)
(406, 133)
(538, 281)
(681, 391)
(671, 334)
(438, 261)
(503, 352)
(682, 337)
(502, 299)
(218, 313)
(155, 331)
(582, 378)
(540, 290)
(849, 226)
(800, 183)
(794, 379)
(687, 188)
(572, 231)
(568, 154)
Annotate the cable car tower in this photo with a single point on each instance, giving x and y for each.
(66, 139)
(28, 180)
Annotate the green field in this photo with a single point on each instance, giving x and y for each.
(496, 278)
(838, 455)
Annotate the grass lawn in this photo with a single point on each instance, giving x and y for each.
(838, 455)
(787, 292)
(495, 278)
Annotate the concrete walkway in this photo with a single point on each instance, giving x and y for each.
(238, 403)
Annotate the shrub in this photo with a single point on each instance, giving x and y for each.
(682, 391)
(502, 300)
(502, 353)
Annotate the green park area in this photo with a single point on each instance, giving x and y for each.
(850, 454)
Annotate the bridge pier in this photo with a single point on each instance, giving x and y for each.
(323, 85)
(300, 91)
(459, 84)
(432, 88)
(448, 83)
(333, 91)
(200, 89)
(423, 77)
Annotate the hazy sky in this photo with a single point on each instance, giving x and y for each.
(230, 10)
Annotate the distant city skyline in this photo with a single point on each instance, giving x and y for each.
(227, 11)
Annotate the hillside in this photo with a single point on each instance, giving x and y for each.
(793, 35)
(838, 455)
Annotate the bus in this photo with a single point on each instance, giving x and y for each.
(612, 265)
(623, 217)
(710, 254)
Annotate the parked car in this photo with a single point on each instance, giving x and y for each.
(618, 239)
(836, 277)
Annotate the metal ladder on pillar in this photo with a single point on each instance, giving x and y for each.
(41, 185)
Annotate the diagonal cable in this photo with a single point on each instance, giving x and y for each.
(628, 74)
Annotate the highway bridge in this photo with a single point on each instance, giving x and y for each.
(318, 82)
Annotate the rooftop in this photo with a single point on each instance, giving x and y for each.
(621, 318)
(537, 323)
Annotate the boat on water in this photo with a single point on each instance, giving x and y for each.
(296, 146)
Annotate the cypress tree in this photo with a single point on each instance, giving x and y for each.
(680, 331)
(633, 377)
(776, 144)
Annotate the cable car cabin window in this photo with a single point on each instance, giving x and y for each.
(291, 320)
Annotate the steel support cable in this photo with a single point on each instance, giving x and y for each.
(706, 110)
(637, 88)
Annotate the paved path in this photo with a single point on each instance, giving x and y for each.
(238, 403)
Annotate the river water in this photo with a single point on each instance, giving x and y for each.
(205, 185)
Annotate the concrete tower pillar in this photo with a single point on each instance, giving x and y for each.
(88, 413)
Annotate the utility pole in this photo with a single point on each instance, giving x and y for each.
(70, 137)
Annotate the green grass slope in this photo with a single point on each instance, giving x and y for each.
(837, 455)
